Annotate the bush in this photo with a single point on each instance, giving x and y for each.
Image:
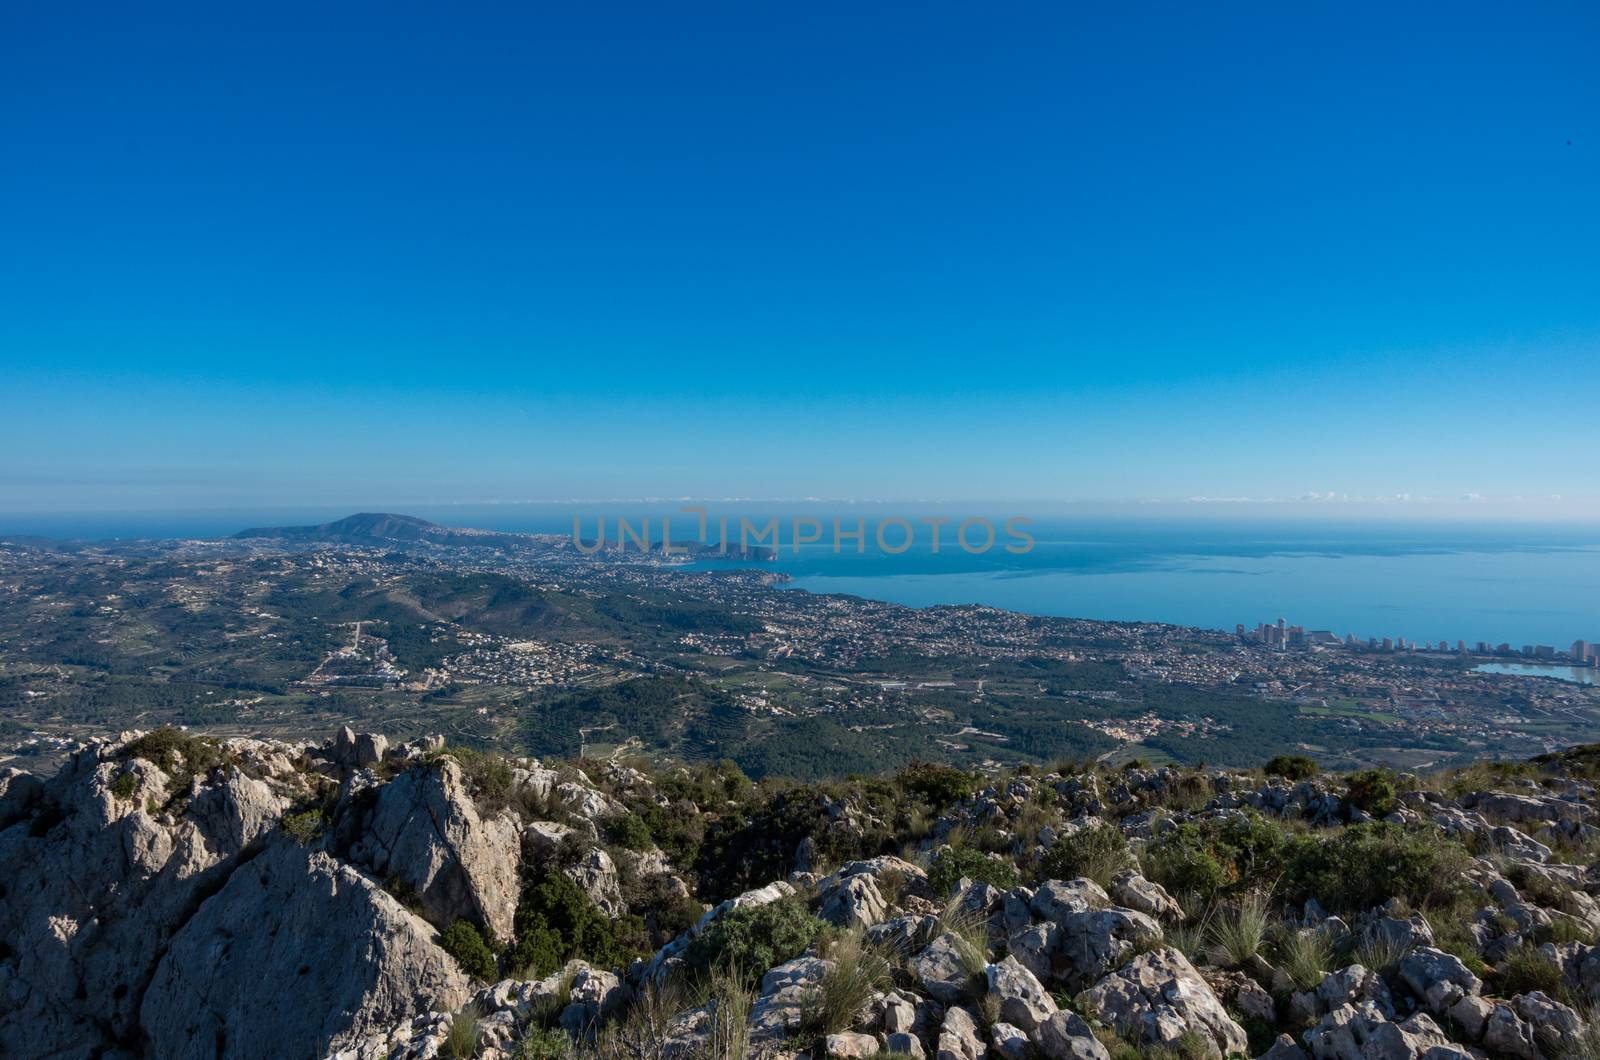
(1291, 767)
(626, 830)
(1367, 864)
(304, 828)
(488, 775)
(951, 864)
(1374, 791)
(1526, 971)
(175, 751)
(540, 1043)
(124, 786)
(1182, 861)
(464, 942)
(753, 938)
(556, 922)
(1098, 852)
(937, 784)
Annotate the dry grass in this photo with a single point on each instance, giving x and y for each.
(1238, 931)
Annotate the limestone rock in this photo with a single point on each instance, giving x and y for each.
(297, 952)
(1022, 1001)
(1157, 997)
(1438, 978)
(849, 1045)
(776, 1012)
(1132, 890)
(1065, 1036)
(426, 834)
(1055, 898)
(959, 1036)
(1008, 1042)
(851, 901)
(942, 969)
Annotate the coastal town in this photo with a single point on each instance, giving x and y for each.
(248, 635)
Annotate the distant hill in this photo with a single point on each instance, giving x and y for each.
(387, 529)
(362, 528)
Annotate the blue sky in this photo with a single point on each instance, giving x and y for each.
(389, 254)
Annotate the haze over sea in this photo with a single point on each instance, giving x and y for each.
(1517, 583)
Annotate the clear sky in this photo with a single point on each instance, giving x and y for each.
(391, 253)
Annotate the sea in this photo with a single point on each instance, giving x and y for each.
(1513, 583)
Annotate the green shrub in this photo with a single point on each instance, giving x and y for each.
(1291, 767)
(1374, 791)
(463, 941)
(304, 828)
(1365, 865)
(1098, 852)
(125, 784)
(1182, 861)
(556, 921)
(626, 830)
(489, 775)
(175, 751)
(951, 864)
(753, 938)
(1525, 971)
(939, 785)
(540, 1043)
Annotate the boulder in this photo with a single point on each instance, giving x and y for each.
(1132, 890)
(851, 901)
(943, 968)
(1065, 1036)
(1055, 898)
(1092, 943)
(1439, 979)
(903, 934)
(593, 996)
(1009, 1043)
(902, 1043)
(848, 1045)
(959, 1036)
(596, 874)
(1158, 997)
(1021, 1000)
(1559, 1029)
(776, 1013)
(1507, 1034)
(1361, 1033)
(1284, 1048)
(1471, 1014)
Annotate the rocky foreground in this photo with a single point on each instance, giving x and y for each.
(168, 896)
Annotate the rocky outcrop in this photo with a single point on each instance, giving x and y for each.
(1158, 997)
(427, 838)
(1362, 1033)
(111, 859)
(296, 953)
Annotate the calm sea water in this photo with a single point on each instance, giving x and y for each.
(1520, 584)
